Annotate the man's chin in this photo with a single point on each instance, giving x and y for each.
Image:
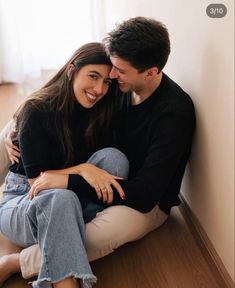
(124, 89)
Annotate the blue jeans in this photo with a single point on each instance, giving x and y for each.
(54, 220)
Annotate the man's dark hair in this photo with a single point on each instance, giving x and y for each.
(143, 42)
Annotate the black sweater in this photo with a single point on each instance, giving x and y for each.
(156, 136)
(40, 146)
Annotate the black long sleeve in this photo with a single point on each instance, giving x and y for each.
(156, 137)
(40, 146)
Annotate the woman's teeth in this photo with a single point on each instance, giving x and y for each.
(91, 97)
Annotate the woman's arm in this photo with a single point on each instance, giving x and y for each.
(98, 178)
(47, 180)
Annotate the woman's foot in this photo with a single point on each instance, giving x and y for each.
(9, 264)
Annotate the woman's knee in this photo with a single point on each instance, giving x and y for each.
(55, 199)
(112, 160)
(63, 195)
(56, 207)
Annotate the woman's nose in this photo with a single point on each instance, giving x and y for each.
(113, 73)
(100, 88)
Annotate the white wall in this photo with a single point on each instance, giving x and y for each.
(201, 61)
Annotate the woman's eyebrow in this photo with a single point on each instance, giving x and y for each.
(97, 73)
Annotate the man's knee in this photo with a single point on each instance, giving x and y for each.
(112, 228)
(30, 259)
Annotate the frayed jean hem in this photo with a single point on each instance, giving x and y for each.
(86, 280)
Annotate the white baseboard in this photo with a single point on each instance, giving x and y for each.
(211, 256)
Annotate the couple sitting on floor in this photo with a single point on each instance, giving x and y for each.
(97, 157)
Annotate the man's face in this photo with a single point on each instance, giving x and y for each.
(128, 77)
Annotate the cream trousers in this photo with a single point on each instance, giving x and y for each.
(110, 229)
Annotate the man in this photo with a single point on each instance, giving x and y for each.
(156, 131)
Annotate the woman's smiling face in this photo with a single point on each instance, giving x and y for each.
(91, 83)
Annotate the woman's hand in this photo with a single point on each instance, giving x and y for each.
(101, 181)
(48, 180)
(12, 150)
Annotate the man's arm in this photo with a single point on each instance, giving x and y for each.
(4, 157)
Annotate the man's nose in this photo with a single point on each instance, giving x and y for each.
(113, 73)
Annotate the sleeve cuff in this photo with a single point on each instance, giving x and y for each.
(78, 184)
(74, 182)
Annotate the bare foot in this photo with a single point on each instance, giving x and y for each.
(9, 264)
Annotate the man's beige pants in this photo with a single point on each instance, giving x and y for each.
(110, 229)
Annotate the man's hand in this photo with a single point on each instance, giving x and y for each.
(12, 150)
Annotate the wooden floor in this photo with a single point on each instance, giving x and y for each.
(167, 258)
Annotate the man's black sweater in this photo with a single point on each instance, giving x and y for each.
(156, 136)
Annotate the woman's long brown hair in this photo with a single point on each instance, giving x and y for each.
(57, 96)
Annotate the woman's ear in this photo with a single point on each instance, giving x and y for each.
(70, 69)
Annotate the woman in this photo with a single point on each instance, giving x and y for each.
(60, 127)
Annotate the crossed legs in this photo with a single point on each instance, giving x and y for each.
(110, 229)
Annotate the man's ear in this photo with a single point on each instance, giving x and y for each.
(151, 72)
(70, 69)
